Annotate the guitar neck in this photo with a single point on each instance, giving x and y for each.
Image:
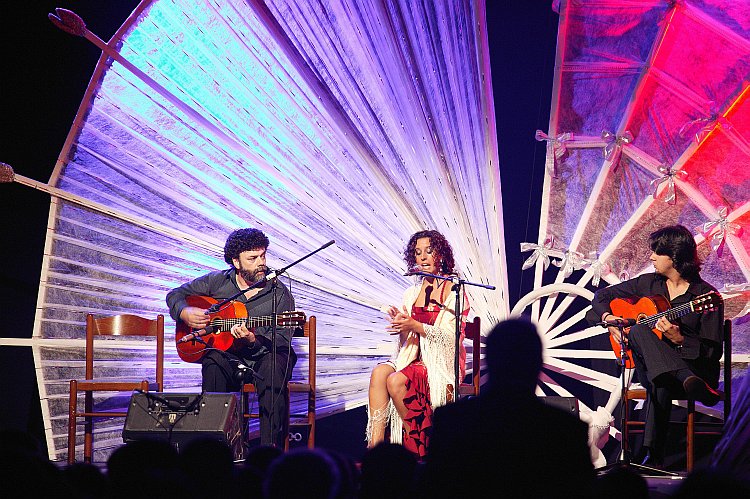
(250, 322)
(672, 313)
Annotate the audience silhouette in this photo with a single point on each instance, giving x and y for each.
(308, 473)
(147, 468)
(388, 470)
(506, 440)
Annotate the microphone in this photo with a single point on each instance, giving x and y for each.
(618, 323)
(271, 274)
(415, 271)
(210, 329)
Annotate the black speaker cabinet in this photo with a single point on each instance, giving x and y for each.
(567, 404)
(179, 418)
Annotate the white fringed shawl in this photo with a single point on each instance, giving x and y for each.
(437, 348)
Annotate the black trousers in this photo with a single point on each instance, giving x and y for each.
(221, 373)
(661, 371)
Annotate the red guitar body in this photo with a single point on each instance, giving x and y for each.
(193, 351)
(638, 309)
(230, 314)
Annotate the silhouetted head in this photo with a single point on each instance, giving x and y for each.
(388, 470)
(208, 450)
(514, 356)
(678, 243)
(711, 482)
(262, 456)
(302, 473)
(145, 467)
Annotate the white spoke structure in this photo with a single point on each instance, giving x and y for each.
(649, 126)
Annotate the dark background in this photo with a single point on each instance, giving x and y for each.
(45, 73)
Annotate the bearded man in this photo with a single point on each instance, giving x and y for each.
(224, 371)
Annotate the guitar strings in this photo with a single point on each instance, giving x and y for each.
(676, 312)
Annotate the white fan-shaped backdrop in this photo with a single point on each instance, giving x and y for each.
(360, 122)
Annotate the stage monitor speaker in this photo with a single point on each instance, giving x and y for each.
(180, 418)
(567, 404)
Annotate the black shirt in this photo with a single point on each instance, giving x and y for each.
(703, 332)
(222, 285)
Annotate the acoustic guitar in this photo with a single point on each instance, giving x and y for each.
(648, 310)
(221, 322)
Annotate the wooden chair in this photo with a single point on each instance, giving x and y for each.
(472, 331)
(690, 432)
(118, 325)
(305, 419)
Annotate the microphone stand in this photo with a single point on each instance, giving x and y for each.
(457, 309)
(623, 460)
(273, 357)
(271, 276)
(262, 281)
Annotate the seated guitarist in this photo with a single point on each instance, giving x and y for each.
(686, 359)
(245, 252)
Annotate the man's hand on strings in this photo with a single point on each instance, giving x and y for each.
(241, 331)
(195, 317)
(670, 331)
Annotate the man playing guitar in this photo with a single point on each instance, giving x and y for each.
(686, 359)
(245, 252)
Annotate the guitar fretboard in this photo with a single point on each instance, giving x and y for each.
(249, 322)
(672, 313)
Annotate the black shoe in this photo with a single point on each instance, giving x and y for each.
(699, 390)
(651, 458)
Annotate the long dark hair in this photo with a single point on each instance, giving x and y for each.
(441, 250)
(677, 242)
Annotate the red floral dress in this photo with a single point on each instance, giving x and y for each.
(418, 418)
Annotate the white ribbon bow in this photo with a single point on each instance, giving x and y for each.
(544, 252)
(721, 226)
(707, 124)
(624, 275)
(597, 268)
(571, 260)
(613, 147)
(556, 148)
(668, 176)
(735, 288)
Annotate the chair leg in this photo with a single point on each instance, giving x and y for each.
(244, 414)
(690, 435)
(288, 419)
(72, 418)
(311, 421)
(625, 432)
(88, 427)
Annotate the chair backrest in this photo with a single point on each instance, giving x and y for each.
(473, 332)
(727, 368)
(309, 331)
(125, 325)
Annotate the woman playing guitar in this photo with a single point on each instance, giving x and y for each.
(685, 360)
